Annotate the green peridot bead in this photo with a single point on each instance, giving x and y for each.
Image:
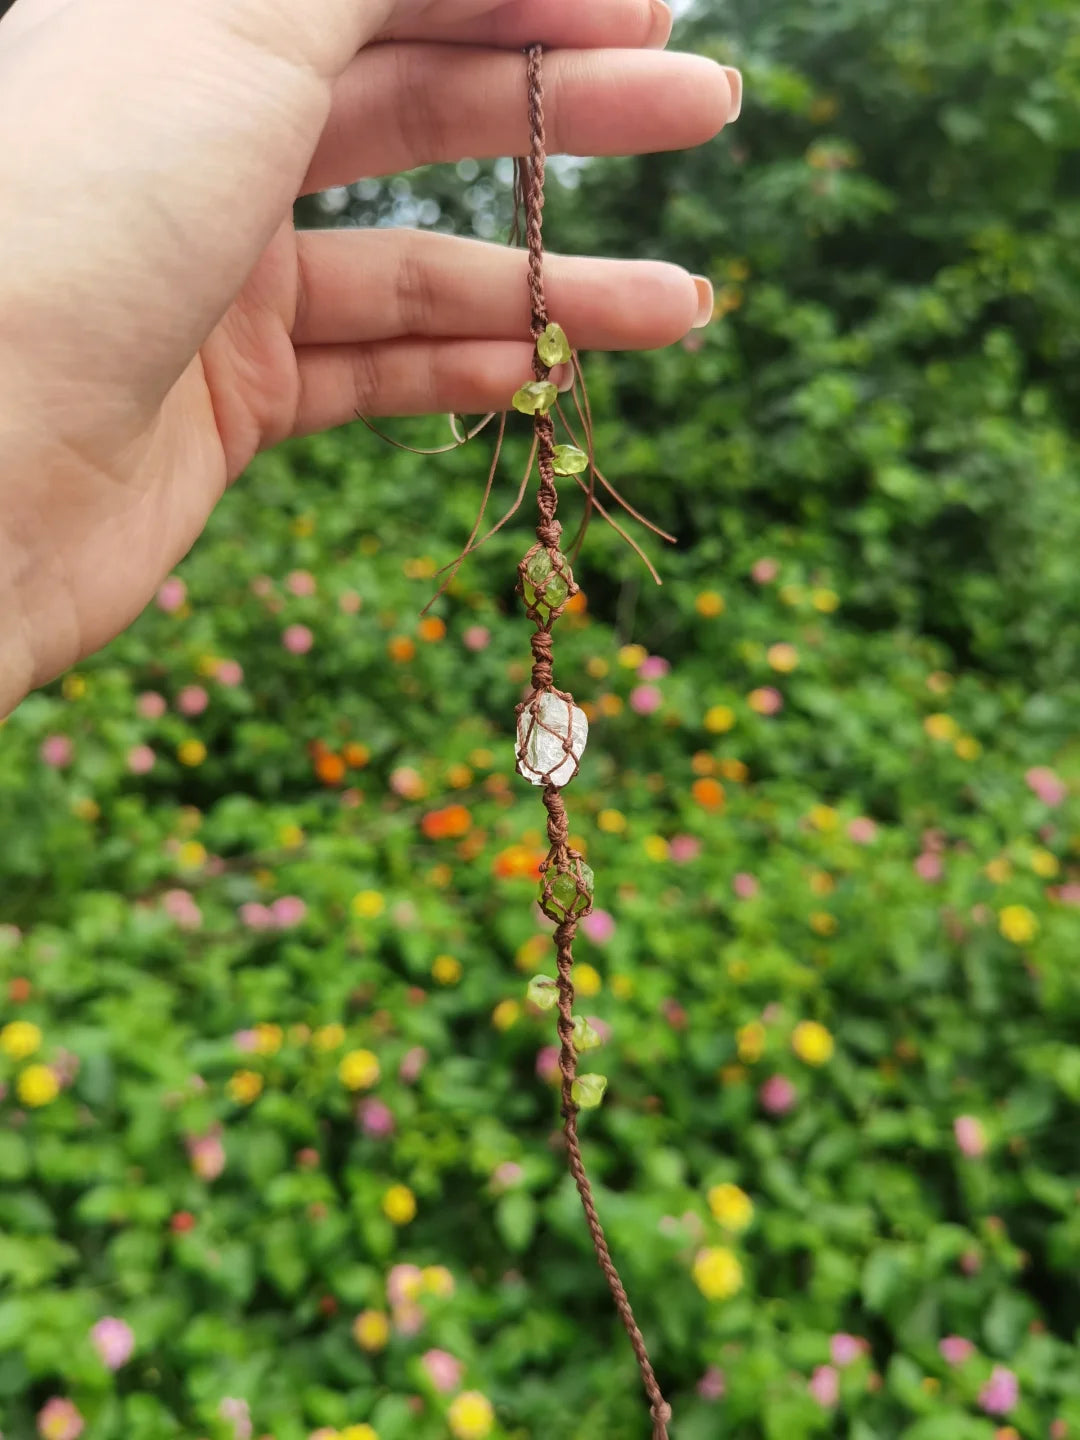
(535, 398)
(569, 895)
(553, 346)
(569, 460)
(585, 1037)
(588, 1090)
(542, 992)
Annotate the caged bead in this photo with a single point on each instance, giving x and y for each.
(544, 585)
(543, 738)
(569, 460)
(542, 992)
(553, 347)
(587, 1091)
(570, 892)
(535, 398)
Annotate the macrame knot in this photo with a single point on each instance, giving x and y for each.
(543, 673)
(661, 1414)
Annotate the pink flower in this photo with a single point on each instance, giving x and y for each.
(404, 1283)
(408, 1318)
(547, 1062)
(645, 699)
(350, 602)
(684, 848)
(1050, 788)
(1059, 1430)
(602, 1028)
(237, 1413)
(846, 1349)
(57, 751)
(928, 866)
(192, 700)
(298, 639)
(1001, 1393)
(114, 1341)
(477, 637)
(412, 1062)
(151, 705)
(406, 781)
(1067, 894)
(954, 1349)
(778, 1095)
(207, 1155)
(745, 886)
(508, 1175)
(230, 673)
(288, 911)
(767, 700)
(140, 759)
(824, 1386)
(375, 1117)
(256, 916)
(971, 1262)
(862, 830)
(179, 906)
(59, 1420)
(246, 1040)
(262, 586)
(653, 667)
(65, 1066)
(171, 595)
(599, 926)
(300, 582)
(764, 570)
(712, 1384)
(970, 1136)
(443, 1370)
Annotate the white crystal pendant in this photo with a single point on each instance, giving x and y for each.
(541, 739)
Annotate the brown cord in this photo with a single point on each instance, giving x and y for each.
(562, 859)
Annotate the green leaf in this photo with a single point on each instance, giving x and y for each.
(515, 1219)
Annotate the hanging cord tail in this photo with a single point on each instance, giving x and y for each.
(531, 174)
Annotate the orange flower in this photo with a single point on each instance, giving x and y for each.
(356, 756)
(518, 862)
(708, 793)
(329, 768)
(702, 763)
(432, 628)
(449, 823)
(401, 649)
(576, 605)
(732, 769)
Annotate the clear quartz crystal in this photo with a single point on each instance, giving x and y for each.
(546, 759)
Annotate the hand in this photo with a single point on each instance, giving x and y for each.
(160, 321)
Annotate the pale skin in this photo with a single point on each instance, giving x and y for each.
(160, 319)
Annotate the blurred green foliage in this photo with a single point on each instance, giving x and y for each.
(836, 845)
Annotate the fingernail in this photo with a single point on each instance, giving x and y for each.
(662, 21)
(564, 378)
(704, 302)
(734, 80)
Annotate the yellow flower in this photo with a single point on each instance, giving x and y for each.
(329, 1037)
(437, 1280)
(471, 1416)
(587, 981)
(717, 1273)
(622, 987)
(368, 904)
(597, 667)
(812, 1043)
(824, 817)
(191, 855)
(656, 848)
(73, 687)
(940, 682)
(358, 1432)
(446, 970)
(732, 769)
(731, 1074)
(245, 1087)
(940, 727)
(191, 752)
(612, 822)
(791, 594)
(710, 604)
(506, 1014)
(732, 1207)
(999, 870)
(85, 809)
(749, 1038)
(968, 748)
(822, 923)
(738, 970)
(458, 776)
(632, 656)
(1018, 924)
(20, 1039)
(532, 953)
(371, 1330)
(37, 1086)
(719, 719)
(822, 883)
(207, 665)
(782, 657)
(399, 1204)
(268, 1039)
(1044, 864)
(359, 1070)
(290, 837)
(826, 601)
(481, 759)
